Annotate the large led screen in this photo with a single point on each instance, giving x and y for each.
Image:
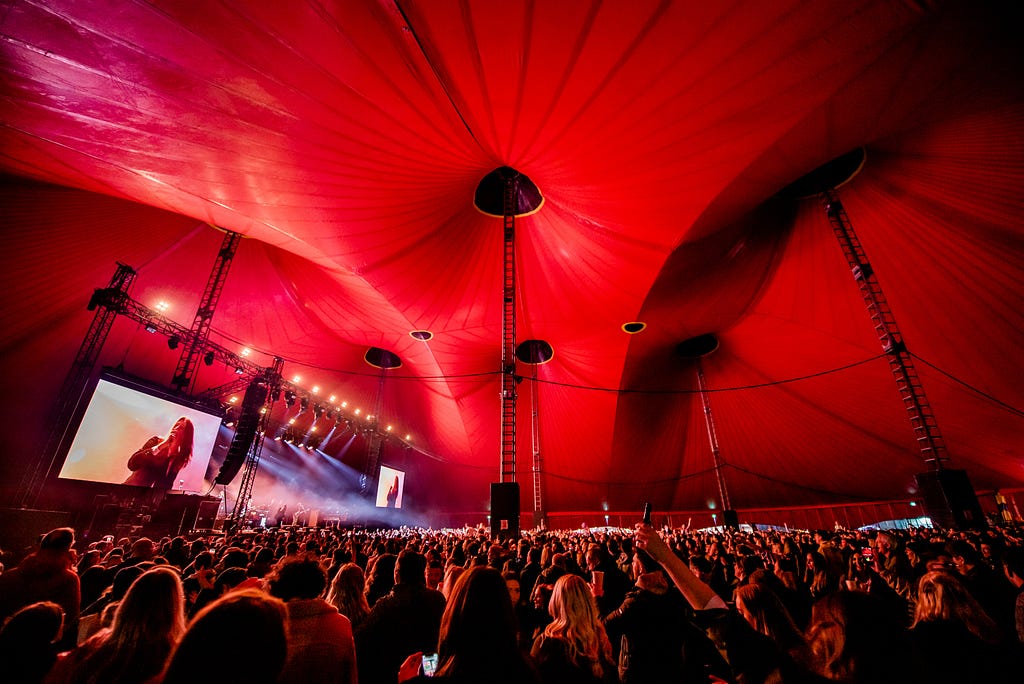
(390, 486)
(131, 435)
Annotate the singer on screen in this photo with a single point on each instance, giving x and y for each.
(159, 460)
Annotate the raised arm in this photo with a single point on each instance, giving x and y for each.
(699, 595)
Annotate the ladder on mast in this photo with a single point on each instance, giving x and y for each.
(538, 498)
(908, 382)
(716, 453)
(508, 332)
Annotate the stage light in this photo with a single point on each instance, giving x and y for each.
(263, 410)
(239, 371)
(246, 351)
(278, 438)
(291, 421)
(229, 423)
(233, 400)
(389, 428)
(313, 429)
(316, 389)
(331, 398)
(162, 306)
(150, 328)
(208, 359)
(173, 341)
(356, 411)
(344, 404)
(296, 379)
(408, 437)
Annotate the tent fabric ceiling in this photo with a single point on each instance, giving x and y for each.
(345, 140)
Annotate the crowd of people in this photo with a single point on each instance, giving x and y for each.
(588, 607)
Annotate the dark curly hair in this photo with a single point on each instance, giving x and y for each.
(297, 578)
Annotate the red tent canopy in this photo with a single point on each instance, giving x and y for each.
(345, 141)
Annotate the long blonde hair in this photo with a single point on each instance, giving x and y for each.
(575, 621)
(149, 621)
(941, 596)
(346, 593)
(763, 610)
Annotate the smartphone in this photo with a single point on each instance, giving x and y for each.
(647, 513)
(429, 664)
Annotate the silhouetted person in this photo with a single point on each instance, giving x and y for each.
(240, 637)
(28, 642)
(404, 621)
(46, 575)
(320, 645)
(392, 495)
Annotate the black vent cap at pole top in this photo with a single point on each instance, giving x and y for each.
(489, 197)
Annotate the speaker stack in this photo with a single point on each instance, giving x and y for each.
(505, 510)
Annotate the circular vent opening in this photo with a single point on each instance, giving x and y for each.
(697, 347)
(381, 358)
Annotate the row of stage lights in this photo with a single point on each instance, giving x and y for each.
(174, 341)
(333, 410)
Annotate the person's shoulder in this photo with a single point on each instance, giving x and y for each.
(417, 592)
(547, 646)
(634, 596)
(435, 595)
(11, 576)
(388, 603)
(309, 607)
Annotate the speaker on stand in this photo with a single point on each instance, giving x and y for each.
(505, 510)
(949, 499)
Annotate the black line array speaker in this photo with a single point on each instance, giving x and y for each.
(731, 519)
(245, 432)
(505, 510)
(949, 499)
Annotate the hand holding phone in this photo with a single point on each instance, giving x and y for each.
(429, 664)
